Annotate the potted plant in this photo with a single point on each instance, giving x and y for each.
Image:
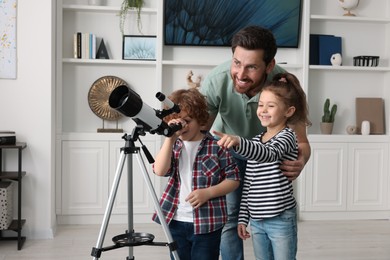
(130, 5)
(328, 117)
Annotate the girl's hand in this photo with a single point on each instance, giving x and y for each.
(242, 233)
(227, 141)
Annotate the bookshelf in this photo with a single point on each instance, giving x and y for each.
(76, 123)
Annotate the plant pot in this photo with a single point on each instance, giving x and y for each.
(326, 128)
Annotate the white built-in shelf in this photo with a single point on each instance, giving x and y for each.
(350, 19)
(94, 136)
(346, 138)
(106, 9)
(110, 61)
(348, 68)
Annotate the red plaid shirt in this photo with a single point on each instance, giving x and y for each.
(212, 165)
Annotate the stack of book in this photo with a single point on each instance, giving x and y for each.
(322, 47)
(84, 46)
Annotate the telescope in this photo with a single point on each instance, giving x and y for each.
(129, 103)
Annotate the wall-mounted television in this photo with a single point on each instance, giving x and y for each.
(214, 22)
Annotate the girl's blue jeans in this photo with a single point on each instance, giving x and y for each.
(275, 238)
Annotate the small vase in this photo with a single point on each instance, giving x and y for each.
(326, 128)
(365, 127)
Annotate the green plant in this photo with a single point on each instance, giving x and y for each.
(328, 116)
(125, 7)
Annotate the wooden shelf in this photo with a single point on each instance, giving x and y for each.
(11, 175)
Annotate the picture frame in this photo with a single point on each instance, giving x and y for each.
(139, 47)
(213, 23)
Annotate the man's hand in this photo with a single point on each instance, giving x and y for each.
(292, 169)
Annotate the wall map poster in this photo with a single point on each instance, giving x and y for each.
(8, 39)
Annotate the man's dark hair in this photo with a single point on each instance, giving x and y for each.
(254, 38)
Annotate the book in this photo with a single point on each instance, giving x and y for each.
(322, 47)
(75, 45)
(85, 46)
(372, 110)
(327, 46)
(79, 45)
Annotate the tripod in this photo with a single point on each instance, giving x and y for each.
(131, 238)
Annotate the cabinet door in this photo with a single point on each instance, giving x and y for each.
(142, 201)
(367, 176)
(326, 176)
(84, 177)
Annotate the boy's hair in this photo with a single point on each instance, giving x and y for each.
(256, 38)
(288, 89)
(192, 102)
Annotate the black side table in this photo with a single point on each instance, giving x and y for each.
(16, 224)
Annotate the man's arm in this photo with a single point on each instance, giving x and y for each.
(292, 169)
(210, 122)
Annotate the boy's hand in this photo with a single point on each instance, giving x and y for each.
(227, 141)
(198, 197)
(242, 233)
(178, 121)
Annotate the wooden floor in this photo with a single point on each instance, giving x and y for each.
(318, 240)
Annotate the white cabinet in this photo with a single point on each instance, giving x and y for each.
(88, 170)
(346, 180)
(84, 177)
(368, 176)
(326, 177)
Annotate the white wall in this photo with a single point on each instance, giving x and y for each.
(26, 108)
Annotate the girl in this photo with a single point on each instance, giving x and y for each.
(267, 200)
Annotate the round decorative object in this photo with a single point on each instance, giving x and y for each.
(351, 129)
(336, 59)
(99, 94)
(348, 5)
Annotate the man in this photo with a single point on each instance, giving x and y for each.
(232, 91)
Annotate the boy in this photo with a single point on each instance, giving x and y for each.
(200, 175)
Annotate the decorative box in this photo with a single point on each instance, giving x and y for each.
(366, 61)
(7, 137)
(6, 213)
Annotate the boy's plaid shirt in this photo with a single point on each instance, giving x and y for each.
(212, 165)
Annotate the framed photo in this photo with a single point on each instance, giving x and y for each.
(213, 23)
(139, 47)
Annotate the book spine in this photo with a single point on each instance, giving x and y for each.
(85, 40)
(93, 46)
(79, 54)
(75, 45)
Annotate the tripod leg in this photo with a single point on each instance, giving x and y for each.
(156, 203)
(110, 204)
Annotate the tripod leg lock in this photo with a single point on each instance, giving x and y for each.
(172, 246)
(96, 252)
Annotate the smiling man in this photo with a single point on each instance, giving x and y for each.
(232, 90)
